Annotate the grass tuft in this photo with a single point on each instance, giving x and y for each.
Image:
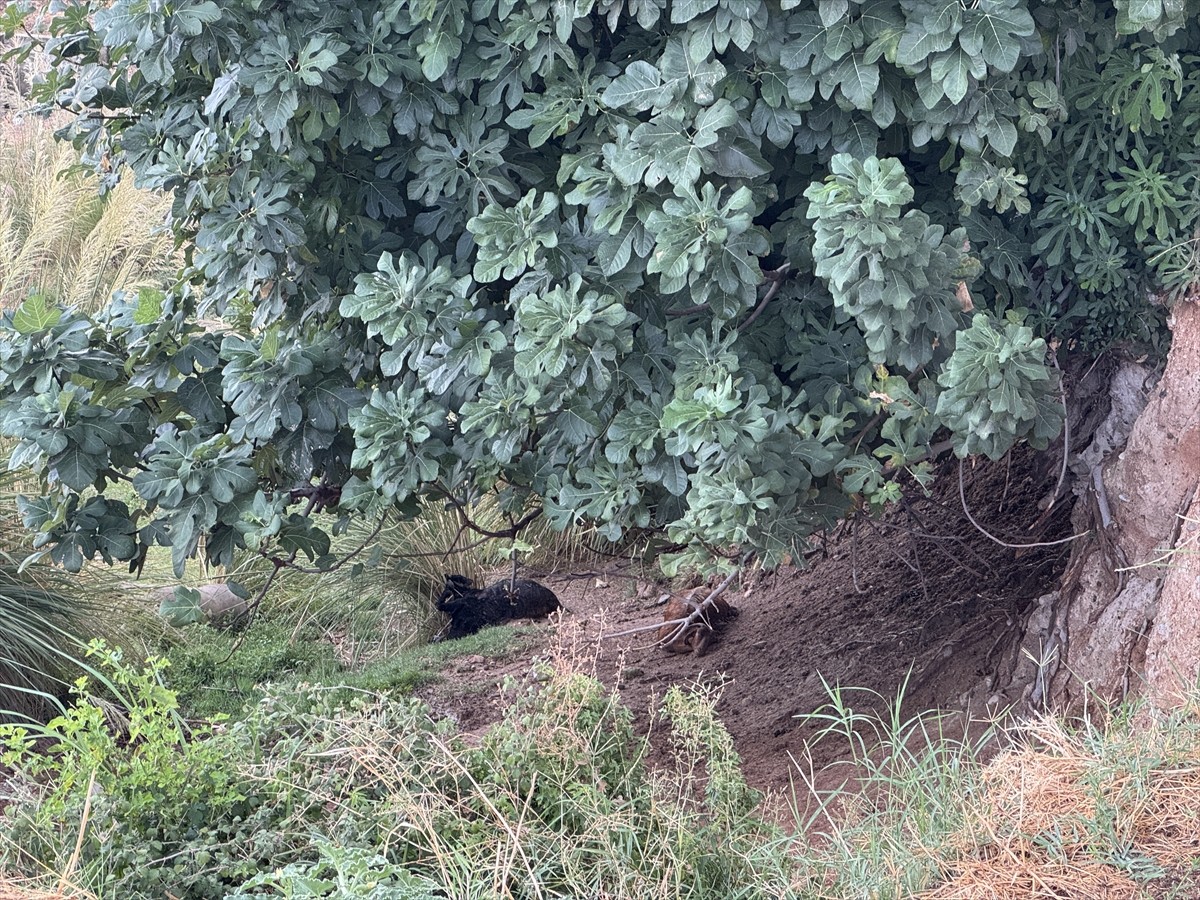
(1107, 806)
(61, 238)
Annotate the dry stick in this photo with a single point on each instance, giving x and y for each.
(854, 555)
(962, 496)
(922, 531)
(1101, 497)
(776, 276)
(73, 862)
(915, 569)
(912, 542)
(697, 614)
(640, 628)
(1062, 474)
(688, 621)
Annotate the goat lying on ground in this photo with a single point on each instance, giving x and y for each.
(698, 636)
(471, 609)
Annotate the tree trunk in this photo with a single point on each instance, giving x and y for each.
(1126, 619)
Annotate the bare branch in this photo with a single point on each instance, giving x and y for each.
(695, 616)
(962, 496)
(776, 277)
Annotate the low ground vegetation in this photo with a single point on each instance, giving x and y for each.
(227, 673)
(327, 790)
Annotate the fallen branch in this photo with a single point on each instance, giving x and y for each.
(682, 625)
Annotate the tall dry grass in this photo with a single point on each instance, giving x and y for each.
(60, 237)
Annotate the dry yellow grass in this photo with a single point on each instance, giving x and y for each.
(1067, 815)
(15, 890)
(59, 237)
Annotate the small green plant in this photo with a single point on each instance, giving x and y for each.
(221, 672)
(702, 738)
(152, 808)
(340, 872)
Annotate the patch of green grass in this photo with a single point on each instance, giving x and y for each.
(406, 670)
(222, 672)
(886, 832)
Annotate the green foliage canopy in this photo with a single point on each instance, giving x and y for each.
(685, 266)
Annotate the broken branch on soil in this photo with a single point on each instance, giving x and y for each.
(682, 625)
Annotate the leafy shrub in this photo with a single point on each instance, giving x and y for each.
(220, 672)
(586, 260)
(340, 872)
(158, 808)
(989, 381)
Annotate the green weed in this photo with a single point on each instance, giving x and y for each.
(149, 808)
(228, 672)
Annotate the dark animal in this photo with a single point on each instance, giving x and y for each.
(697, 637)
(471, 609)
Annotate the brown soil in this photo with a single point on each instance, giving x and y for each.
(918, 601)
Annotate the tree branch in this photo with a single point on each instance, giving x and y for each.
(696, 615)
(776, 277)
(511, 532)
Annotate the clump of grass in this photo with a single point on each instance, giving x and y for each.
(556, 801)
(47, 617)
(1105, 806)
(226, 673)
(1087, 809)
(884, 832)
(422, 550)
(61, 238)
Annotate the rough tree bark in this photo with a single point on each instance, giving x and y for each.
(1126, 619)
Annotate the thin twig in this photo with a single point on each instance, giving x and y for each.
(1062, 395)
(962, 496)
(696, 614)
(915, 569)
(854, 555)
(511, 532)
(777, 278)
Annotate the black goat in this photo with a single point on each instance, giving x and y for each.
(470, 609)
